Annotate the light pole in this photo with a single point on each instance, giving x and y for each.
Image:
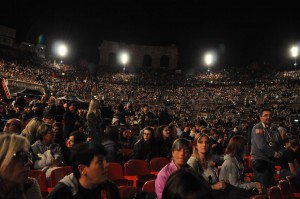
(124, 58)
(59, 50)
(294, 52)
(208, 60)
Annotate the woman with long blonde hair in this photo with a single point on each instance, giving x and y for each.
(93, 118)
(15, 162)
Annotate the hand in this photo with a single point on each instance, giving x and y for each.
(219, 185)
(259, 187)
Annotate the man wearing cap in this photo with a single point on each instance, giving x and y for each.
(266, 147)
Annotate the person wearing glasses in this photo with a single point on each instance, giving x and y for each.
(15, 162)
(145, 148)
(13, 125)
(49, 154)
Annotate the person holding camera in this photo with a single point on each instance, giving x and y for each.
(266, 147)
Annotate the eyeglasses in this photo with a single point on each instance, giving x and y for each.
(13, 124)
(24, 156)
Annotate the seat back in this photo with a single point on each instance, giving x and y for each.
(58, 174)
(115, 171)
(149, 186)
(128, 192)
(156, 164)
(285, 189)
(274, 192)
(40, 177)
(136, 168)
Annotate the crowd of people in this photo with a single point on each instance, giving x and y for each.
(204, 124)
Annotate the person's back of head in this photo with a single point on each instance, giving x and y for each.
(186, 184)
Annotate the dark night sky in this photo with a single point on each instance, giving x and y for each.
(240, 34)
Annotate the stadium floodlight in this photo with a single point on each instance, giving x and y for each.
(124, 59)
(208, 60)
(294, 53)
(59, 50)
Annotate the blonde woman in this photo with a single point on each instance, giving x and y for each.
(201, 163)
(93, 118)
(30, 130)
(15, 162)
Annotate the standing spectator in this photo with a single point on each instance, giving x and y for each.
(30, 130)
(94, 120)
(266, 147)
(69, 119)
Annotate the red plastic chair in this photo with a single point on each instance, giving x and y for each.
(149, 186)
(128, 192)
(40, 177)
(115, 173)
(137, 171)
(286, 190)
(274, 192)
(56, 175)
(156, 164)
(277, 174)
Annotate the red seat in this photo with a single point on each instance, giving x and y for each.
(138, 172)
(286, 190)
(274, 192)
(149, 186)
(128, 192)
(115, 173)
(293, 183)
(156, 164)
(40, 177)
(258, 197)
(56, 175)
(277, 174)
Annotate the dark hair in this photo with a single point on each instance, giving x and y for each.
(79, 137)
(42, 130)
(159, 131)
(111, 133)
(181, 143)
(263, 110)
(84, 153)
(185, 183)
(236, 147)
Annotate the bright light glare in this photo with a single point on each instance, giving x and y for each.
(208, 59)
(124, 58)
(294, 51)
(60, 49)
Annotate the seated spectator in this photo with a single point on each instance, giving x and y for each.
(15, 162)
(288, 161)
(13, 125)
(145, 148)
(165, 141)
(89, 177)
(30, 130)
(185, 183)
(232, 170)
(110, 143)
(49, 153)
(67, 146)
(48, 118)
(181, 151)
